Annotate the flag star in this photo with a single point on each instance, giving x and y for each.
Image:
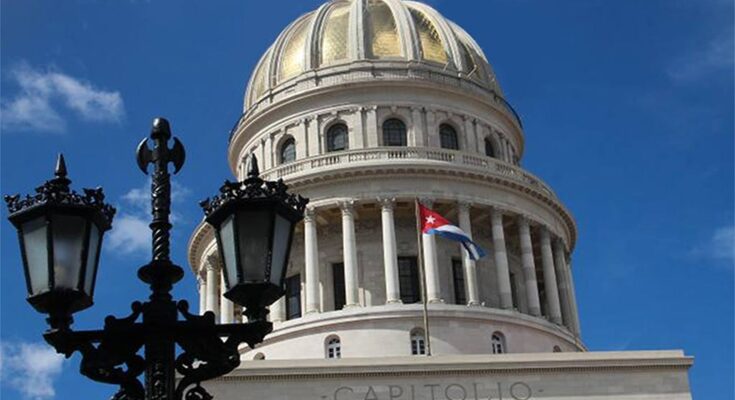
(430, 220)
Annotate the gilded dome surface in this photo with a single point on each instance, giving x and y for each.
(380, 32)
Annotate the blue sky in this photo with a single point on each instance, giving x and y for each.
(628, 114)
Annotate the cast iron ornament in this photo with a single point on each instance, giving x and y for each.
(112, 355)
(57, 192)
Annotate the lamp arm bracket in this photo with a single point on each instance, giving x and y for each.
(108, 355)
(205, 354)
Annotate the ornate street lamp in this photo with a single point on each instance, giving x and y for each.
(61, 232)
(254, 222)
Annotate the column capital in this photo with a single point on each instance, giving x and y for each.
(497, 210)
(525, 219)
(310, 214)
(426, 201)
(386, 203)
(213, 262)
(559, 244)
(347, 207)
(545, 233)
(464, 205)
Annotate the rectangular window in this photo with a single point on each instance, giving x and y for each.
(293, 297)
(514, 290)
(458, 277)
(338, 282)
(408, 279)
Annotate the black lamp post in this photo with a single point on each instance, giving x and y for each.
(60, 233)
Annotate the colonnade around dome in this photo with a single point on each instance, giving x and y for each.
(358, 260)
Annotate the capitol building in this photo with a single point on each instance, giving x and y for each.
(364, 106)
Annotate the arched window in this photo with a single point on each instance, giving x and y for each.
(337, 137)
(394, 132)
(489, 149)
(557, 349)
(259, 356)
(334, 347)
(418, 342)
(448, 137)
(288, 151)
(498, 343)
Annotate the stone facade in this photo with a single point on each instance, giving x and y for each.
(364, 124)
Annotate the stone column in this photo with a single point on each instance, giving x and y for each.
(390, 260)
(311, 261)
(468, 264)
(576, 329)
(278, 310)
(501, 259)
(561, 275)
(550, 286)
(213, 286)
(227, 311)
(431, 265)
(529, 267)
(349, 253)
(202, 281)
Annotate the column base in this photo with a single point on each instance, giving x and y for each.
(398, 301)
(474, 304)
(436, 301)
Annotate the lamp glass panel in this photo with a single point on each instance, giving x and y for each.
(281, 236)
(94, 248)
(68, 238)
(36, 250)
(227, 239)
(252, 231)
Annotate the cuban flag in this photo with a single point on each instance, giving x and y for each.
(434, 224)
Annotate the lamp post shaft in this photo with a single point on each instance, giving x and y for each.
(160, 313)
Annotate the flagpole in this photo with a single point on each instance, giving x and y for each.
(422, 273)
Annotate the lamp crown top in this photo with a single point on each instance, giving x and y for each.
(56, 192)
(253, 170)
(60, 170)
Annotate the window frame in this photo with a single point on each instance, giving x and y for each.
(448, 137)
(293, 297)
(458, 282)
(418, 342)
(408, 280)
(399, 131)
(333, 348)
(291, 156)
(497, 343)
(489, 144)
(338, 285)
(332, 131)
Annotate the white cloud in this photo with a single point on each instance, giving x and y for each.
(130, 232)
(715, 56)
(720, 246)
(722, 243)
(34, 107)
(30, 368)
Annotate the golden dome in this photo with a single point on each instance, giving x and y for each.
(342, 32)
